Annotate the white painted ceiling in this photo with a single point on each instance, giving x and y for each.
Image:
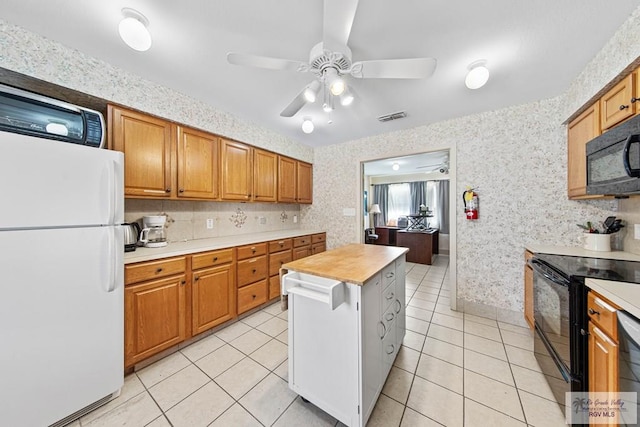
(408, 165)
(534, 49)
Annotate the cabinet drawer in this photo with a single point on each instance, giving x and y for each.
(252, 270)
(318, 238)
(388, 296)
(274, 286)
(301, 241)
(316, 248)
(277, 259)
(211, 259)
(252, 296)
(249, 251)
(388, 275)
(134, 273)
(603, 313)
(280, 245)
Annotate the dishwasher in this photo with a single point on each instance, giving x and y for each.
(629, 362)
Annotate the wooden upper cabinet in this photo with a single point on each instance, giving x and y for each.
(616, 105)
(265, 176)
(236, 167)
(581, 130)
(148, 146)
(304, 182)
(286, 179)
(198, 167)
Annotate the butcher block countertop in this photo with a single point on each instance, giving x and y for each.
(355, 263)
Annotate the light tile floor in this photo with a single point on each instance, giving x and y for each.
(454, 369)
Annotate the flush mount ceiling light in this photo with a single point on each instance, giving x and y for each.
(395, 166)
(311, 91)
(478, 74)
(133, 30)
(307, 125)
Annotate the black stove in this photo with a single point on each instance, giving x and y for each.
(579, 268)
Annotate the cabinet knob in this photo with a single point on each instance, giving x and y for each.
(634, 99)
(592, 311)
(159, 270)
(583, 332)
(196, 278)
(622, 107)
(181, 190)
(215, 258)
(184, 282)
(253, 296)
(168, 190)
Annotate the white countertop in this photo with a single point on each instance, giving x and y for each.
(202, 245)
(626, 295)
(578, 251)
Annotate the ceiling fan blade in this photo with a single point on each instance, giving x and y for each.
(266, 62)
(414, 68)
(338, 20)
(296, 105)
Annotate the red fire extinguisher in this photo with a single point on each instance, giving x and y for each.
(470, 200)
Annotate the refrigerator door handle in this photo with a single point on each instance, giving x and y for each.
(113, 256)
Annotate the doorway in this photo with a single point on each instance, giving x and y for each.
(397, 177)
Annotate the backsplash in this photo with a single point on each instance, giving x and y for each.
(629, 211)
(187, 220)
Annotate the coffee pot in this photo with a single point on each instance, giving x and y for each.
(153, 234)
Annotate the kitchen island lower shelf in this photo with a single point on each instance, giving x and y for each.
(346, 326)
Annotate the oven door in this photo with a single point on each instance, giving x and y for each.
(554, 329)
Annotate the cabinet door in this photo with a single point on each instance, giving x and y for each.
(603, 361)
(265, 175)
(581, 130)
(304, 183)
(146, 142)
(236, 162)
(372, 330)
(197, 164)
(615, 105)
(154, 317)
(286, 180)
(213, 297)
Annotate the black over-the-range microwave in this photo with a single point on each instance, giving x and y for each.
(613, 161)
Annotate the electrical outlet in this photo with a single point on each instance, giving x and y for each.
(295, 219)
(262, 219)
(209, 223)
(636, 231)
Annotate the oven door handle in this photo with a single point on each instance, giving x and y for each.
(546, 271)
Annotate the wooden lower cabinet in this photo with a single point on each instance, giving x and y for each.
(155, 317)
(528, 290)
(213, 298)
(603, 361)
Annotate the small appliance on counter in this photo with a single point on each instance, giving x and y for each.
(153, 234)
(131, 233)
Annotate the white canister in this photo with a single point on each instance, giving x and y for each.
(597, 242)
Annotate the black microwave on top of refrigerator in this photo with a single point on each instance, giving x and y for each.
(613, 161)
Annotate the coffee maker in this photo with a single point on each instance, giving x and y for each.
(153, 234)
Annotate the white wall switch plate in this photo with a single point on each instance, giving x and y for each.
(349, 211)
(295, 219)
(209, 223)
(636, 231)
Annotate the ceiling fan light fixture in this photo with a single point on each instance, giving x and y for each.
(346, 98)
(311, 91)
(133, 30)
(478, 74)
(334, 81)
(307, 125)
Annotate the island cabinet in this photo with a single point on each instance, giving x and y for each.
(252, 280)
(155, 307)
(346, 325)
(581, 130)
(213, 293)
(603, 344)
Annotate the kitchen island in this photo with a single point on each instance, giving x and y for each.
(346, 325)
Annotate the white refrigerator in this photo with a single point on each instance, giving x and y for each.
(61, 279)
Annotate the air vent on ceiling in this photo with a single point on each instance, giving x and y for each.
(392, 116)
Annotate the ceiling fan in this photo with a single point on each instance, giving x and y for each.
(330, 60)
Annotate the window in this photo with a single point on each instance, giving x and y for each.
(399, 201)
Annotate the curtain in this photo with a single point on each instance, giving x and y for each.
(442, 205)
(399, 203)
(381, 197)
(418, 195)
